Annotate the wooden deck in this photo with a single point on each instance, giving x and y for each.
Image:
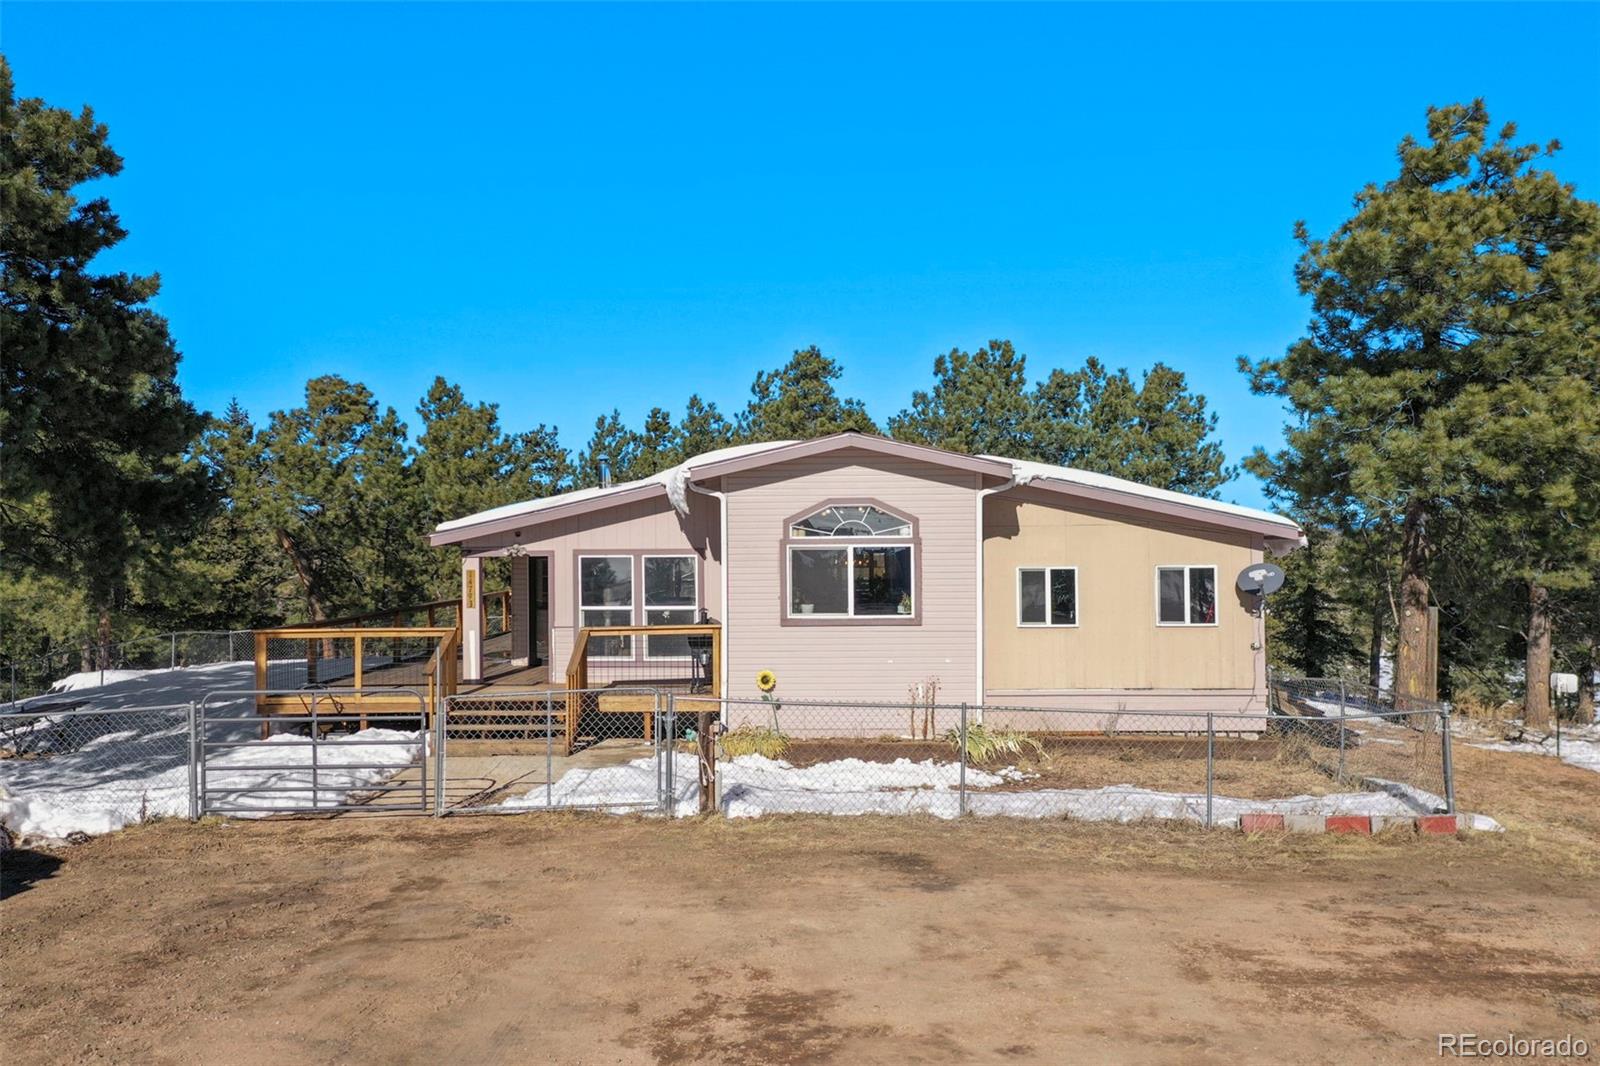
(389, 667)
(510, 679)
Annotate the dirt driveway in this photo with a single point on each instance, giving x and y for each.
(589, 939)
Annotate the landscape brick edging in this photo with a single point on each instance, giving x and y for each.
(1359, 824)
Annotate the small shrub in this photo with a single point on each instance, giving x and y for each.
(985, 744)
(753, 740)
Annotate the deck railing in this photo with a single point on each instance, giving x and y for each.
(354, 665)
(433, 613)
(355, 654)
(686, 658)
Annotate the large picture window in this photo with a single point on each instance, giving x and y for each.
(1186, 595)
(851, 561)
(671, 597)
(605, 598)
(1047, 596)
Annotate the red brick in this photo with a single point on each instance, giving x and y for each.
(1437, 824)
(1261, 823)
(1359, 824)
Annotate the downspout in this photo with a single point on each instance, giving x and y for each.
(722, 546)
(982, 642)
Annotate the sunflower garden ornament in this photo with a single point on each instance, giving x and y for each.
(766, 681)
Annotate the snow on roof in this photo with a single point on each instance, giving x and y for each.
(1027, 471)
(674, 480)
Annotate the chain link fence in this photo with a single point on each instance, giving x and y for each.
(1361, 736)
(69, 772)
(510, 752)
(1317, 750)
(28, 678)
(836, 757)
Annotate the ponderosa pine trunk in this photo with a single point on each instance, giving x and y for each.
(314, 605)
(1586, 687)
(1536, 687)
(1411, 645)
(102, 636)
(307, 577)
(1375, 643)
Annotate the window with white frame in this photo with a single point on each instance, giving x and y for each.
(844, 562)
(1186, 595)
(671, 598)
(605, 598)
(1047, 596)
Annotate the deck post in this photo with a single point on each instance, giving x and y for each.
(470, 618)
(261, 671)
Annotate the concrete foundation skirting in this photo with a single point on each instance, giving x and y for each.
(1358, 824)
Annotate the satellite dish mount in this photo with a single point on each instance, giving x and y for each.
(1261, 580)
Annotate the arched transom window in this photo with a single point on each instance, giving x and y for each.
(851, 520)
(850, 561)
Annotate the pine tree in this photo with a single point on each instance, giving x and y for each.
(980, 404)
(658, 444)
(468, 463)
(1538, 455)
(342, 502)
(1467, 270)
(701, 429)
(230, 574)
(389, 554)
(614, 442)
(1157, 433)
(94, 430)
(798, 402)
(1577, 613)
(1308, 627)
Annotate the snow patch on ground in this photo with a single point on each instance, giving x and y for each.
(97, 679)
(276, 774)
(1580, 745)
(122, 755)
(753, 786)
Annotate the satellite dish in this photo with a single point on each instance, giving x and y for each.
(1261, 578)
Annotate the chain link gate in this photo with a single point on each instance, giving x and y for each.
(373, 760)
(554, 749)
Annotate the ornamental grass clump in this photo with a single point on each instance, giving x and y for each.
(753, 740)
(986, 745)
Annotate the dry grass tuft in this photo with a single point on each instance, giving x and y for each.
(753, 740)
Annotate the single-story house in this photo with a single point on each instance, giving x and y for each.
(854, 567)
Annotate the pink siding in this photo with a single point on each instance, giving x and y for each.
(864, 662)
(648, 525)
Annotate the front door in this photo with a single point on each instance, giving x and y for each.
(539, 610)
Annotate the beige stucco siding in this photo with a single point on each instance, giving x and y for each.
(1117, 647)
(855, 661)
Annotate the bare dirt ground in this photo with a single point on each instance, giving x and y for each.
(590, 939)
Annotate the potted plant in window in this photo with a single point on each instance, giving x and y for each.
(905, 603)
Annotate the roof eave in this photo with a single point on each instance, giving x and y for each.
(1282, 529)
(858, 441)
(512, 523)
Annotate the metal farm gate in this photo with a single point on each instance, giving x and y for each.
(321, 758)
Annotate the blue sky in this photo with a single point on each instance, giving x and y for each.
(570, 208)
